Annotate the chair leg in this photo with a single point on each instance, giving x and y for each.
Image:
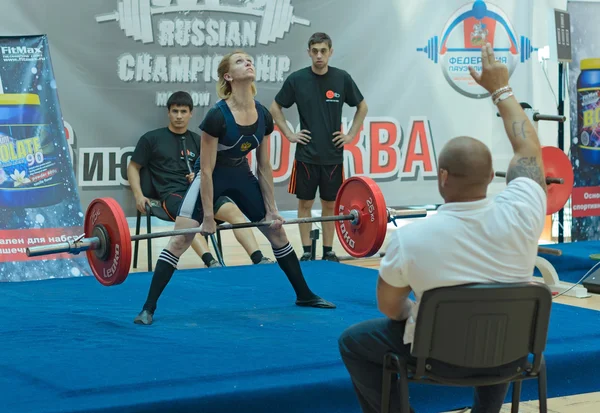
(392, 365)
(516, 397)
(386, 384)
(149, 230)
(542, 387)
(403, 389)
(136, 242)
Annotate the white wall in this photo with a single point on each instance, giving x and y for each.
(545, 75)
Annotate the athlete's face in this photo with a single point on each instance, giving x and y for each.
(179, 116)
(241, 67)
(320, 54)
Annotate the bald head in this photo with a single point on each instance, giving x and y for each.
(468, 165)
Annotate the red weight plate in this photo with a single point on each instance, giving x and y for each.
(362, 194)
(557, 165)
(115, 268)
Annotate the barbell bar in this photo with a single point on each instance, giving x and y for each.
(135, 16)
(361, 224)
(81, 244)
(536, 116)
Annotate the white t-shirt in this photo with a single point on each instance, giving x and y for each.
(492, 240)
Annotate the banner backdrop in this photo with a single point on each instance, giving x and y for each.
(117, 62)
(38, 193)
(584, 91)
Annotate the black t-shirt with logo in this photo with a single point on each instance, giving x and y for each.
(161, 151)
(319, 99)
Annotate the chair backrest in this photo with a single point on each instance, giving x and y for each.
(146, 183)
(482, 325)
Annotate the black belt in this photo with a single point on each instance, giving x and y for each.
(226, 161)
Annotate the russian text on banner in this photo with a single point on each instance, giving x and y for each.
(38, 192)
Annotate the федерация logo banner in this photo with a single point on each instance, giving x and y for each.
(459, 45)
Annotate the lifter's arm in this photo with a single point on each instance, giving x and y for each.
(264, 173)
(527, 161)
(208, 158)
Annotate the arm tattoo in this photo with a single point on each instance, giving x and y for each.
(518, 129)
(528, 167)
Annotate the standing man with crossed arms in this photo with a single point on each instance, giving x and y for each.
(319, 92)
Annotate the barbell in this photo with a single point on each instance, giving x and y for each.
(135, 16)
(361, 225)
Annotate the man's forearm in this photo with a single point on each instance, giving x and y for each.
(518, 127)
(133, 177)
(359, 118)
(206, 194)
(265, 181)
(280, 121)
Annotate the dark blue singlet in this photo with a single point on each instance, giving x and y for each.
(232, 176)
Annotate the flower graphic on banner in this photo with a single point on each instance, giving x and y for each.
(3, 177)
(19, 178)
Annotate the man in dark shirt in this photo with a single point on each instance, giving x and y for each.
(319, 92)
(162, 152)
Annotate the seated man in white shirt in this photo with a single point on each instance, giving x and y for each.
(472, 238)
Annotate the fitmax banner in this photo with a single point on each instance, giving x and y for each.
(38, 193)
(117, 62)
(584, 94)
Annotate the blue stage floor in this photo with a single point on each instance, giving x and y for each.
(575, 260)
(224, 340)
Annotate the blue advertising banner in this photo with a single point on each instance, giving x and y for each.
(39, 201)
(584, 93)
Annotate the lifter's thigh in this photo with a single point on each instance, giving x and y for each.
(228, 211)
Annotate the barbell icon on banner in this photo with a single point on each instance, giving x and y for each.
(135, 16)
(432, 49)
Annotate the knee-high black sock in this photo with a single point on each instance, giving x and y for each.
(165, 267)
(288, 262)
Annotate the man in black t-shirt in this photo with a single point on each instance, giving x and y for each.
(169, 154)
(319, 92)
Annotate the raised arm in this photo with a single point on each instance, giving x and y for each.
(527, 160)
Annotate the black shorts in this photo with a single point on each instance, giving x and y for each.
(306, 178)
(236, 183)
(172, 204)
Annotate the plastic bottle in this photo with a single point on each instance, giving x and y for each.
(30, 175)
(588, 110)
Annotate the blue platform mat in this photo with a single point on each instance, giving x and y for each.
(224, 340)
(575, 260)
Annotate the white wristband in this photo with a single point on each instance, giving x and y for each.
(502, 97)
